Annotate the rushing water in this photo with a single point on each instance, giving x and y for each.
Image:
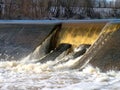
(52, 75)
(56, 74)
(18, 76)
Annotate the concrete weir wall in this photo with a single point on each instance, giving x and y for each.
(21, 38)
(105, 52)
(17, 40)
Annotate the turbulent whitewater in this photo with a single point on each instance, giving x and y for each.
(15, 75)
(60, 55)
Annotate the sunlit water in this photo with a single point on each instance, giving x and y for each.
(53, 75)
(16, 75)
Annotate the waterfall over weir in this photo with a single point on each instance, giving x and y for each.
(97, 42)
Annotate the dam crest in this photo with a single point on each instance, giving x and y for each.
(43, 41)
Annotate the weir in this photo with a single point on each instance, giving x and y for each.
(40, 40)
(17, 40)
(80, 33)
(105, 52)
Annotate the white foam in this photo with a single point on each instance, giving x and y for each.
(55, 75)
(15, 75)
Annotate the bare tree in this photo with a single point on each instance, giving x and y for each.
(39, 9)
